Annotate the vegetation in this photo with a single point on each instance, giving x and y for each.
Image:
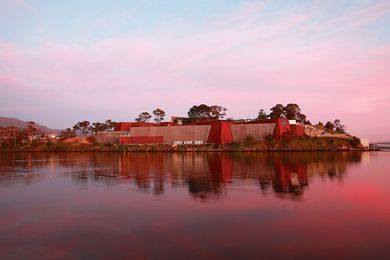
(290, 111)
(31, 132)
(67, 133)
(85, 128)
(290, 144)
(262, 115)
(336, 127)
(82, 135)
(143, 117)
(293, 112)
(205, 112)
(355, 142)
(159, 115)
(82, 128)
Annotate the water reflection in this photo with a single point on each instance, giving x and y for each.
(205, 175)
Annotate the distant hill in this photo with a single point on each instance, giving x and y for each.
(9, 121)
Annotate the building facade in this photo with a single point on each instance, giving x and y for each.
(215, 132)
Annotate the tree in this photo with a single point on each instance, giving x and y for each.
(338, 127)
(159, 115)
(205, 112)
(330, 126)
(82, 127)
(277, 111)
(293, 112)
(110, 125)
(301, 118)
(10, 136)
(143, 117)
(31, 131)
(67, 133)
(97, 127)
(199, 112)
(262, 115)
(217, 112)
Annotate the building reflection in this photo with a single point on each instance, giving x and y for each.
(204, 175)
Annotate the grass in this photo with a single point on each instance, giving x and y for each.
(288, 144)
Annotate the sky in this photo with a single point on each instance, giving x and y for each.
(66, 61)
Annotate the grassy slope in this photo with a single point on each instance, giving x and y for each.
(292, 144)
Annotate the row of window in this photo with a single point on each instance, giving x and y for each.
(188, 142)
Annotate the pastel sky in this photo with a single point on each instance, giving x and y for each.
(66, 61)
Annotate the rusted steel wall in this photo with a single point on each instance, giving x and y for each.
(141, 140)
(220, 133)
(174, 133)
(257, 131)
(282, 128)
(297, 130)
(109, 137)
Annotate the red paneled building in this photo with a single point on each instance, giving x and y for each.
(216, 132)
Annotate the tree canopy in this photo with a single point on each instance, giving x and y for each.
(159, 115)
(290, 111)
(277, 111)
(82, 127)
(262, 115)
(203, 112)
(336, 126)
(143, 117)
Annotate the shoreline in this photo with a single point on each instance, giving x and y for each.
(305, 144)
(188, 151)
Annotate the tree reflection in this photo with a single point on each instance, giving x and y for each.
(204, 175)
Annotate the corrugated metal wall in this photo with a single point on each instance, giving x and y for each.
(109, 137)
(141, 140)
(257, 131)
(174, 133)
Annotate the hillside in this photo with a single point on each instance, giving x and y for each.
(9, 121)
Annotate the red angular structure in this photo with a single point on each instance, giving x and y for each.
(216, 132)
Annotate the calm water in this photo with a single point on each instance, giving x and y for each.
(195, 205)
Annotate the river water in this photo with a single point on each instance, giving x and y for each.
(331, 205)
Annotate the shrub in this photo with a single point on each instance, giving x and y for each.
(235, 145)
(269, 137)
(249, 140)
(355, 142)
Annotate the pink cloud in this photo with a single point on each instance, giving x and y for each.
(246, 66)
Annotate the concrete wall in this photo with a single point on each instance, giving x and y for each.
(257, 131)
(109, 137)
(175, 133)
(313, 131)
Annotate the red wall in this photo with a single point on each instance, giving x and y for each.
(282, 127)
(220, 133)
(125, 126)
(298, 130)
(141, 140)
